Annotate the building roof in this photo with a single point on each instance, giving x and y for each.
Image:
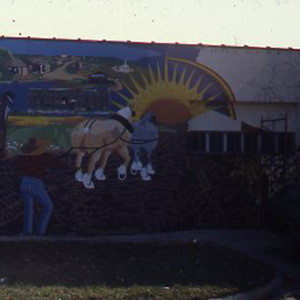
(248, 47)
(36, 60)
(214, 121)
(15, 62)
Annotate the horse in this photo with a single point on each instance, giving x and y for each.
(99, 138)
(143, 142)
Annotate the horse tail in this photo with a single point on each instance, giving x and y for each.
(84, 128)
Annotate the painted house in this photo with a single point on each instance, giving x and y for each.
(17, 66)
(38, 65)
(125, 68)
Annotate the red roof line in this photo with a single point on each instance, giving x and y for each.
(150, 43)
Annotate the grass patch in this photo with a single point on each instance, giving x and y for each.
(115, 271)
(58, 134)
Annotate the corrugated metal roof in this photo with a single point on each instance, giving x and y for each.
(155, 43)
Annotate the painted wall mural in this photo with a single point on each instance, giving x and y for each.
(93, 140)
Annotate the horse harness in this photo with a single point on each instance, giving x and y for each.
(126, 124)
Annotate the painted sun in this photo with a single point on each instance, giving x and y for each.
(177, 91)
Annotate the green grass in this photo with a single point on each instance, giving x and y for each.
(116, 271)
(59, 135)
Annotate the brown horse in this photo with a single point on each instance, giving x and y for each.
(99, 138)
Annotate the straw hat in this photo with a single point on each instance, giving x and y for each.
(35, 146)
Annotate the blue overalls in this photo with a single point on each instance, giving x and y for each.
(31, 189)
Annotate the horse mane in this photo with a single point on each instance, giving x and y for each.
(123, 121)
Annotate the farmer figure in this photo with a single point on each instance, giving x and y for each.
(33, 164)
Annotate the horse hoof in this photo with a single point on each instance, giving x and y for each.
(133, 171)
(100, 175)
(122, 172)
(122, 176)
(87, 182)
(89, 185)
(135, 167)
(144, 175)
(146, 178)
(79, 176)
(150, 169)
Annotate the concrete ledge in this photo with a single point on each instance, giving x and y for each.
(257, 294)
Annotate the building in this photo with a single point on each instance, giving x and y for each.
(38, 65)
(266, 85)
(236, 108)
(123, 68)
(17, 66)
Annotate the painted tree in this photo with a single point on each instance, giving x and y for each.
(6, 103)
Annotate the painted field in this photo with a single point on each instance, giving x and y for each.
(56, 129)
(58, 134)
(42, 120)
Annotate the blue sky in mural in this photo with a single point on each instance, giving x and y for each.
(51, 48)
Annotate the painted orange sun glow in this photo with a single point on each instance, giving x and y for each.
(175, 95)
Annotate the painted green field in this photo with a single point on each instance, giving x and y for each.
(58, 134)
(57, 129)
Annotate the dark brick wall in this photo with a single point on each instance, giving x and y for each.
(188, 192)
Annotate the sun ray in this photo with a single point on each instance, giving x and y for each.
(201, 94)
(208, 100)
(188, 82)
(129, 89)
(145, 79)
(166, 72)
(173, 81)
(159, 79)
(181, 80)
(196, 87)
(117, 104)
(136, 84)
(152, 77)
(123, 97)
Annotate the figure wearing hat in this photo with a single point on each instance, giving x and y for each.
(33, 164)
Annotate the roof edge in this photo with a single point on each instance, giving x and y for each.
(151, 43)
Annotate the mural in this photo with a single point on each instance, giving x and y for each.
(93, 138)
